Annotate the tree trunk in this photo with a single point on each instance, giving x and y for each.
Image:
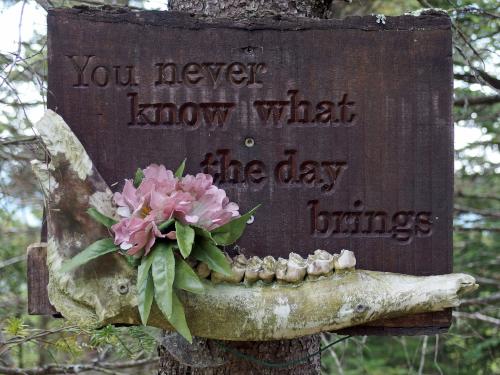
(282, 351)
(270, 351)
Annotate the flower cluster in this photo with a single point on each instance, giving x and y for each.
(161, 196)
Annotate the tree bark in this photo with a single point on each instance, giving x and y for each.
(282, 351)
(271, 351)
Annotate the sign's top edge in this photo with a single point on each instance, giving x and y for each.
(428, 20)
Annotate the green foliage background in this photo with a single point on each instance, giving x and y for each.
(472, 345)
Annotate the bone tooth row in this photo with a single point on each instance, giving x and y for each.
(291, 270)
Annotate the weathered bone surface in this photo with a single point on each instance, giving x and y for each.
(264, 299)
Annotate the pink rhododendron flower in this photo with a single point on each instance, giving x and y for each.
(164, 179)
(193, 200)
(211, 207)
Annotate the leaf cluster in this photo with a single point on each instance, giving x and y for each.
(166, 271)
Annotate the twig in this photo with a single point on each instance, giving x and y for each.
(459, 228)
(480, 100)
(477, 11)
(20, 340)
(334, 355)
(460, 194)
(422, 356)
(471, 78)
(487, 281)
(477, 316)
(11, 261)
(19, 46)
(481, 300)
(100, 367)
(20, 140)
(436, 352)
(488, 213)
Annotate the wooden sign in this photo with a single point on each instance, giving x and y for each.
(341, 129)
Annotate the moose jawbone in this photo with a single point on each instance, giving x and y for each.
(245, 307)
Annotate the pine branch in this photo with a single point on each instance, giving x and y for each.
(100, 367)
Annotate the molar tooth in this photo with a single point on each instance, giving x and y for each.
(268, 270)
(202, 270)
(281, 266)
(237, 271)
(346, 260)
(238, 267)
(296, 268)
(254, 266)
(241, 260)
(321, 263)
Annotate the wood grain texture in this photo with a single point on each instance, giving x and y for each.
(38, 278)
(392, 163)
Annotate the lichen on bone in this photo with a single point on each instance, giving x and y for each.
(61, 141)
(103, 202)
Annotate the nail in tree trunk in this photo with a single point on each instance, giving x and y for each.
(206, 356)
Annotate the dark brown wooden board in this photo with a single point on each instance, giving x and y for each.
(365, 126)
(38, 278)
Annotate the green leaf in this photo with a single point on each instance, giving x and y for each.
(165, 224)
(139, 175)
(178, 319)
(95, 250)
(180, 171)
(145, 267)
(145, 286)
(205, 251)
(163, 277)
(202, 232)
(230, 232)
(145, 298)
(132, 261)
(100, 218)
(186, 278)
(185, 238)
